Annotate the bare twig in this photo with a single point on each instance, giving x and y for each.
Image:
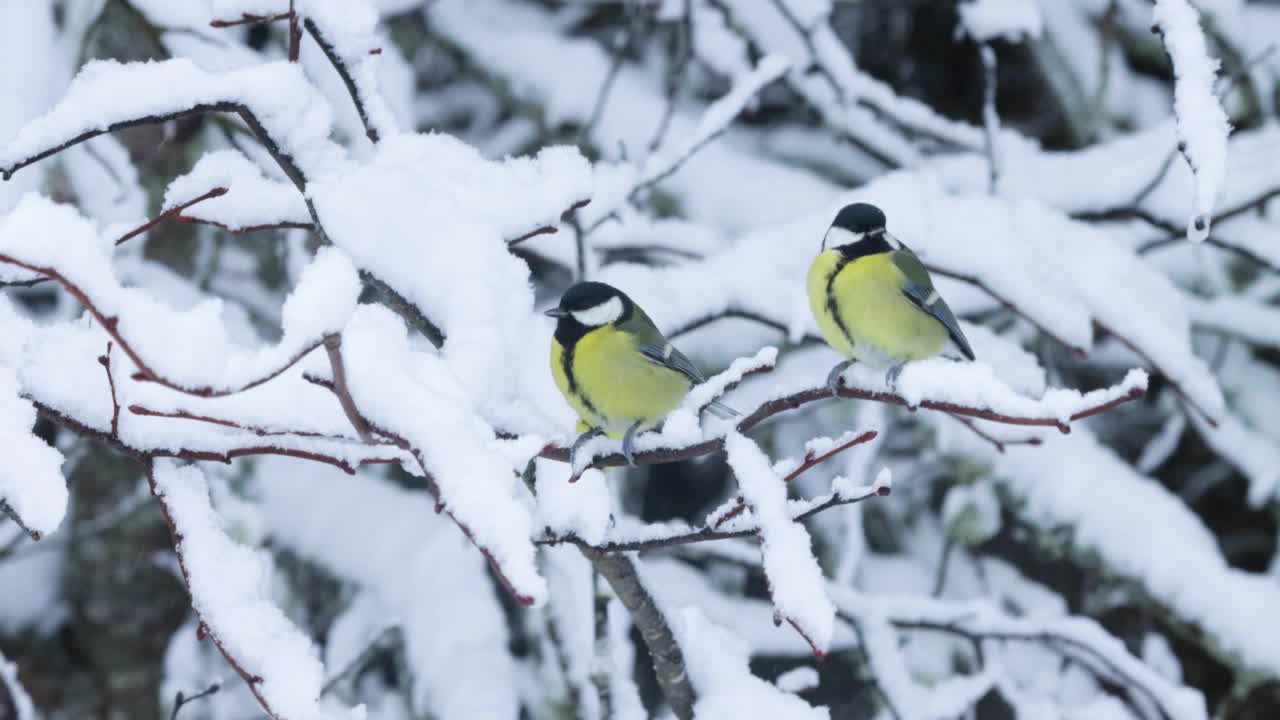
(13, 515)
(999, 443)
(361, 659)
(333, 347)
(105, 361)
(172, 212)
(249, 19)
(295, 33)
(181, 700)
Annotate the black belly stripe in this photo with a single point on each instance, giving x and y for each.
(566, 363)
(831, 301)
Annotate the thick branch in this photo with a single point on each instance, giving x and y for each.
(668, 660)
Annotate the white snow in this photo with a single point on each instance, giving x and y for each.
(1202, 123)
(797, 680)
(1012, 20)
(717, 665)
(17, 696)
(251, 199)
(31, 482)
(795, 580)
(229, 589)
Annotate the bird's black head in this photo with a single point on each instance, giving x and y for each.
(588, 305)
(860, 218)
(858, 231)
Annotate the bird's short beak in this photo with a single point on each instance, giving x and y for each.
(556, 312)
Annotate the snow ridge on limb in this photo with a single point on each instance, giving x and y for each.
(12, 694)
(250, 199)
(718, 667)
(229, 590)
(189, 351)
(32, 490)
(415, 397)
(796, 583)
(1202, 122)
(276, 95)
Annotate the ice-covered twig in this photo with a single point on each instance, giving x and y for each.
(1202, 122)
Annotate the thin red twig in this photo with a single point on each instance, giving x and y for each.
(111, 325)
(997, 442)
(810, 461)
(253, 681)
(295, 33)
(171, 212)
(105, 361)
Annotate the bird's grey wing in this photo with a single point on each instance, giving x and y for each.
(920, 291)
(655, 347)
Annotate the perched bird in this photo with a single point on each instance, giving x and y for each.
(873, 298)
(614, 367)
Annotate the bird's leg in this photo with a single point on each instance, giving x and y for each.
(583, 439)
(891, 377)
(833, 377)
(629, 442)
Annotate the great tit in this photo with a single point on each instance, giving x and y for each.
(614, 367)
(873, 298)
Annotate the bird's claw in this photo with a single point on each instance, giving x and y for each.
(891, 377)
(582, 440)
(833, 377)
(629, 444)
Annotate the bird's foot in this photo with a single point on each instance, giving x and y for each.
(629, 444)
(891, 376)
(582, 440)
(833, 377)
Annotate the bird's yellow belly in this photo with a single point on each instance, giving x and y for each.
(876, 323)
(614, 386)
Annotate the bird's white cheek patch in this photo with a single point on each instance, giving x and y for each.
(602, 314)
(839, 237)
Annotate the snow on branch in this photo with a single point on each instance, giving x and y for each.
(723, 523)
(33, 492)
(14, 697)
(275, 99)
(229, 591)
(185, 351)
(1203, 126)
(1012, 20)
(1072, 636)
(249, 199)
(795, 580)
(969, 390)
